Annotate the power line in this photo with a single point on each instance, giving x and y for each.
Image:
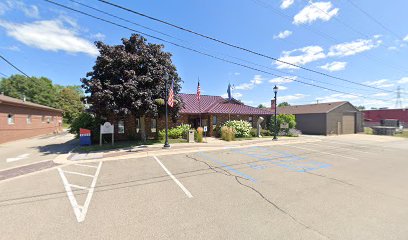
(3, 74)
(243, 60)
(326, 36)
(203, 53)
(7, 61)
(374, 19)
(235, 46)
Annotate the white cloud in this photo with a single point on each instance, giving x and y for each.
(237, 73)
(406, 38)
(334, 66)
(383, 83)
(380, 94)
(281, 88)
(281, 80)
(98, 36)
(300, 56)
(286, 3)
(235, 95)
(403, 80)
(12, 48)
(354, 47)
(283, 35)
(50, 35)
(315, 11)
(293, 97)
(28, 10)
(248, 86)
(337, 97)
(392, 48)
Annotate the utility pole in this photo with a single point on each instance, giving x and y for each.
(166, 143)
(398, 103)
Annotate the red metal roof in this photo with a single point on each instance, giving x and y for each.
(217, 105)
(377, 115)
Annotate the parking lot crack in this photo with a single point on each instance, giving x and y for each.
(276, 206)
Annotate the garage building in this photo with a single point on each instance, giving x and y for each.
(326, 118)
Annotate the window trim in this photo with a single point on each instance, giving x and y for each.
(29, 119)
(121, 127)
(12, 117)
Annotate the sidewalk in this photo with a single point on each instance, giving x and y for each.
(211, 144)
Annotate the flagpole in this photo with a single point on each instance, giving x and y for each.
(199, 104)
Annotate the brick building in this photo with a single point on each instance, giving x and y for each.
(214, 111)
(21, 119)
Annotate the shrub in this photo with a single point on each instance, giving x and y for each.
(266, 132)
(227, 133)
(200, 131)
(290, 119)
(254, 132)
(241, 128)
(87, 121)
(176, 132)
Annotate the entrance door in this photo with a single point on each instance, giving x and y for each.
(349, 123)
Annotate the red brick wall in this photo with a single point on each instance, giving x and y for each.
(20, 129)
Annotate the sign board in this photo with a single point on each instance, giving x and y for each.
(205, 128)
(107, 128)
(284, 125)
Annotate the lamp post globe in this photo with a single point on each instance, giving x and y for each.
(275, 135)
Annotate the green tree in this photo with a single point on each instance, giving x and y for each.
(128, 79)
(360, 107)
(261, 106)
(289, 119)
(283, 104)
(70, 102)
(36, 90)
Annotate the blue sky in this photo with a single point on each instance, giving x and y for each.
(332, 37)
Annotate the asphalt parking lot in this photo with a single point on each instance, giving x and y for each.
(338, 188)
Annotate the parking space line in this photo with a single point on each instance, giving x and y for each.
(80, 174)
(189, 195)
(328, 153)
(85, 165)
(77, 186)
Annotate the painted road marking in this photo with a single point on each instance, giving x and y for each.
(80, 211)
(85, 165)
(19, 157)
(174, 178)
(281, 159)
(328, 153)
(207, 156)
(80, 174)
(337, 147)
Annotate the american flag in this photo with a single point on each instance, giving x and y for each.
(198, 91)
(170, 101)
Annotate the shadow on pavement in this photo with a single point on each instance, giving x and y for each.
(58, 148)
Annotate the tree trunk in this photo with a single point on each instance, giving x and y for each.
(143, 128)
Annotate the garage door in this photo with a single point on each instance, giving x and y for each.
(348, 123)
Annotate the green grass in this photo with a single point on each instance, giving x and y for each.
(124, 145)
(403, 134)
(368, 130)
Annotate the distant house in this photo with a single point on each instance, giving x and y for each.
(22, 119)
(215, 110)
(325, 118)
(373, 117)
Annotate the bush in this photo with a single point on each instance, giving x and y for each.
(176, 132)
(290, 119)
(241, 128)
(87, 121)
(266, 132)
(227, 133)
(254, 132)
(200, 131)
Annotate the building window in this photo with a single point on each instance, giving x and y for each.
(43, 119)
(10, 119)
(154, 125)
(121, 127)
(214, 120)
(48, 119)
(250, 119)
(28, 119)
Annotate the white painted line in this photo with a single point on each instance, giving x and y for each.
(80, 174)
(80, 211)
(85, 165)
(334, 154)
(77, 186)
(19, 157)
(174, 178)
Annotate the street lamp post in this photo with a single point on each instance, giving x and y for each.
(275, 136)
(166, 143)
